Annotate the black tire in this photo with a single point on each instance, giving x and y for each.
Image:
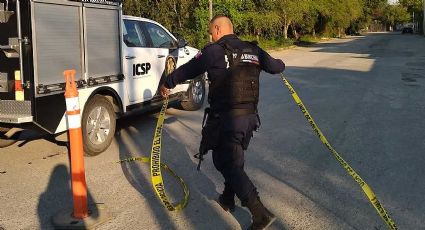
(98, 125)
(195, 95)
(4, 141)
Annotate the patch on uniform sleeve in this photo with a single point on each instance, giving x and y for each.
(199, 54)
(250, 58)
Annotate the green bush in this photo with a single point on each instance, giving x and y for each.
(309, 39)
(273, 43)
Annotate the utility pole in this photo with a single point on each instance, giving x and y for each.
(210, 7)
(414, 24)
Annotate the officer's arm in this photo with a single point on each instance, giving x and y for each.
(193, 68)
(269, 64)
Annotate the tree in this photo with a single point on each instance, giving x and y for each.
(290, 13)
(268, 19)
(373, 10)
(415, 9)
(337, 15)
(412, 5)
(351, 11)
(395, 14)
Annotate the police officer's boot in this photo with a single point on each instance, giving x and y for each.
(227, 199)
(261, 217)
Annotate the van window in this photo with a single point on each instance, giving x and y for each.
(160, 38)
(133, 34)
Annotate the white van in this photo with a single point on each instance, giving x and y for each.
(120, 63)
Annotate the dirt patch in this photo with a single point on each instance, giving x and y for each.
(412, 75)
(412, 85)
(415, 64)
(408, 79)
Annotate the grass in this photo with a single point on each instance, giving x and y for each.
(309, 39)
(276, 44)
(270, 44)
(281, 43)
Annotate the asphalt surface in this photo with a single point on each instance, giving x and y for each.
(365, 93)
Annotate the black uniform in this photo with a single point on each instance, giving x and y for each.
(233, 68)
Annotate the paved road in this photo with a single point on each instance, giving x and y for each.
(366, 94)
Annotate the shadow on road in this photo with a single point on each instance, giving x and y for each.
(368, 114)
(135, 139)
(57, 197)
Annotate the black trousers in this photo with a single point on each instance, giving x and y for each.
(228, 157)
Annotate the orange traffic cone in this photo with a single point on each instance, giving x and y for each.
(78, 177)
(82, 217)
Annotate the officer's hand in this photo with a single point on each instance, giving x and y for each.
(164, 91)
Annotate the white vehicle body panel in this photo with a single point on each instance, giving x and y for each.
(84, 95)
(139, 88)
(89, 37)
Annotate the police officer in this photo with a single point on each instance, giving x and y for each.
(233, 68)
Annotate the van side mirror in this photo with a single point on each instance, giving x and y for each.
(181, 43)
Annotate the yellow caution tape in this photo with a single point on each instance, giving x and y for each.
(366, 189)
(155, 167)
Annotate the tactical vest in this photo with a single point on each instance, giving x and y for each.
(241, 83)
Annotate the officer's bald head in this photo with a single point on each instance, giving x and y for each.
(220, 25)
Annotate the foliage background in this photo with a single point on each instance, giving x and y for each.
(276, 23)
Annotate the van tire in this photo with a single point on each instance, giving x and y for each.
(98, 125)
(4, 141)
(195, 95)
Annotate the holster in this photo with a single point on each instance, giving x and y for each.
(210, 131)
(210, 134)
(211, 127)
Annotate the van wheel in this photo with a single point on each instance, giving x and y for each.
(4, 141)
(195, 95)
(98, 125)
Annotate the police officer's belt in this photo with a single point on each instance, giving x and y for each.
(236, 112)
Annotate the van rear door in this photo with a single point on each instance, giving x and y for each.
(15, 106)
